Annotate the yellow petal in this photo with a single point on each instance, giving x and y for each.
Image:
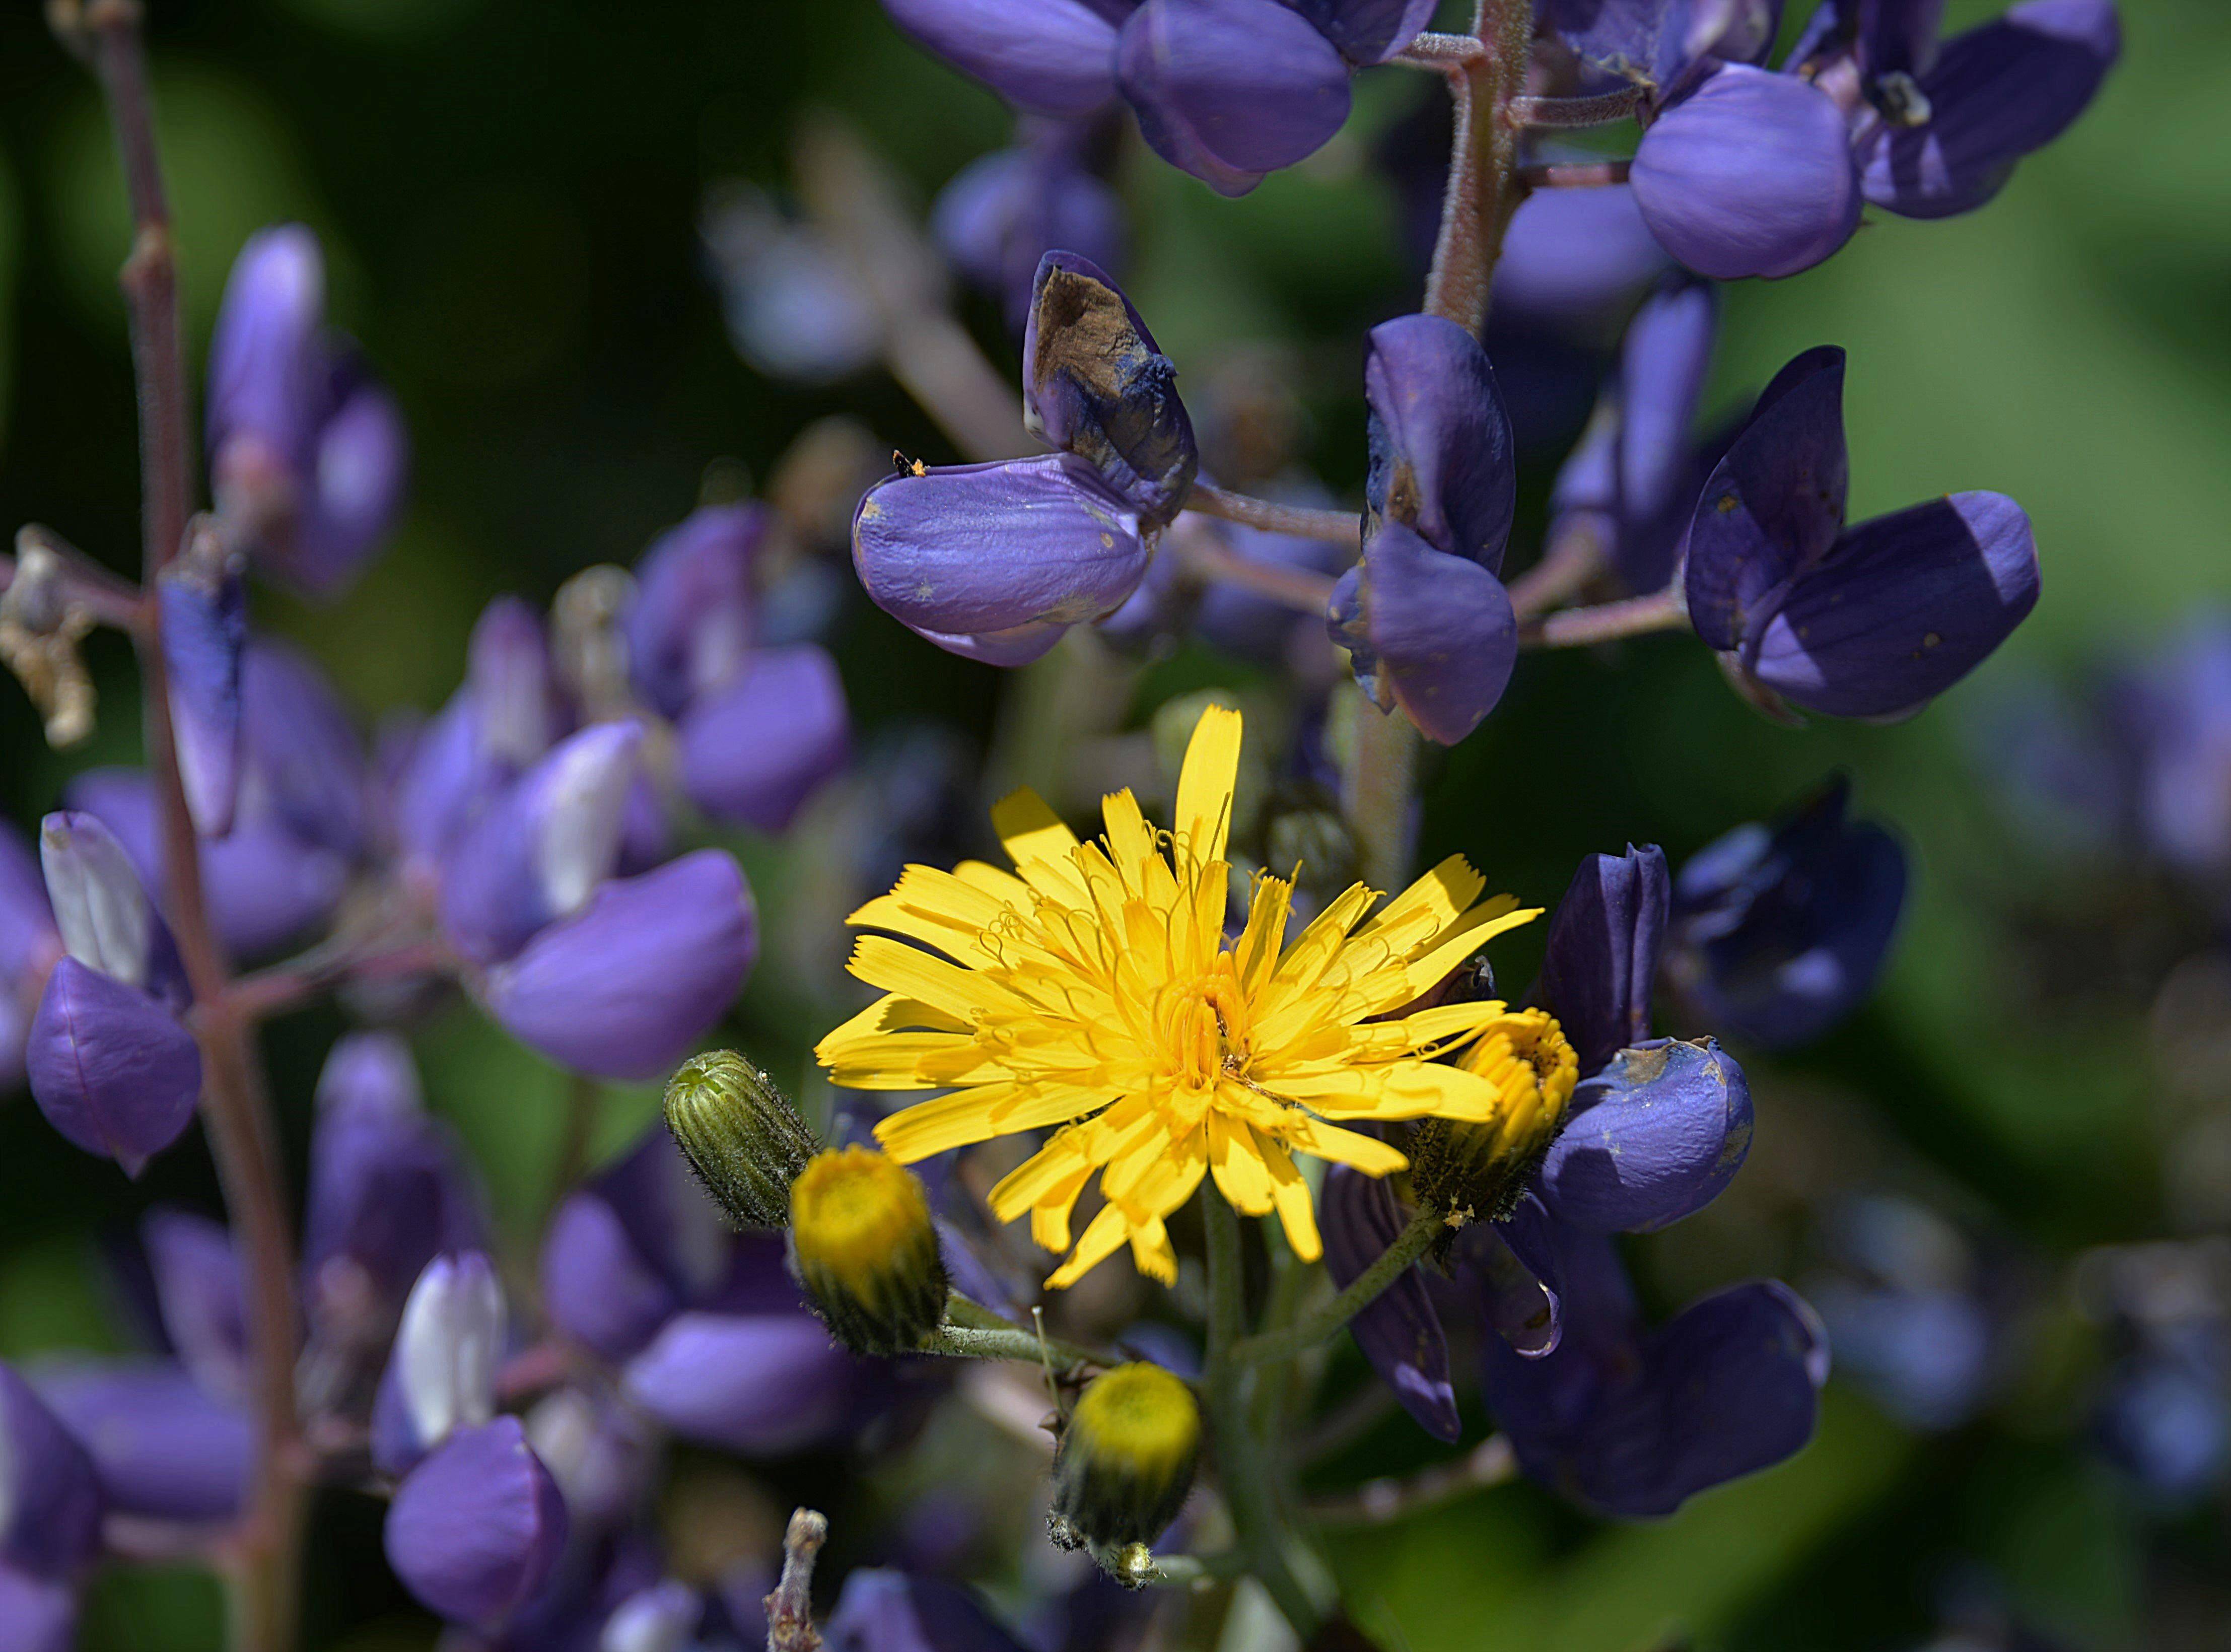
(1442, 894)
(978, 1114)
(1102, 1239)
(1359, 1152)
(1470, 933)
(1297, 1213)
(897, 967)
(1237, 1167)
(894, 1013)
(1206, 783)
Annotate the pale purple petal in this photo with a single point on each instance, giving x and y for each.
(1576, 255)
(161, 1444)
(765, 1385)
(597, 1285)
(197, 1292)
(204, 621)
(1052, 56)
(689, 630)
(753, 752)
(478, 1528)
(110, 1067)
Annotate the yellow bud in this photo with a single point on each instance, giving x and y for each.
(1479, 1170)
(863, 1244)
(1126, 1460)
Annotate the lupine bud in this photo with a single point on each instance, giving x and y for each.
(1601, 958)
(1094, 384)
(204, 607)
(863, 1245)
(49, 1496)
(441, 1375)
(741, 1136)
(110, 1067)
(1125, 1459)
(476, 1529)
(1651, 1138)
(1478, 1170)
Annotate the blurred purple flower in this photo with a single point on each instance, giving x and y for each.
(1004, 211)
(478, 1528)
(162, 1445)
(36, 1614)
(203, 612)
(893, 1611)
(441, 1375)
(30, 945)
(50, 1499)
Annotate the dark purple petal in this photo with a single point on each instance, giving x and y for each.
(1602, 952)
(478, 1527)
(763, 1385)
(1778, 935)
(1229, 90)
(1773, 505)
(1095, 385)
(541, 850)
(441, 1374)
(1441, 458)
(36, 1616)
(625, 985)
(1368, 31)
(1431, 632)
(689, 631)
(1750, 174)
(992, 547)
(1667, 353)
(1004, 211)
(1995, 94)
(1052, 56)
(1576, 255)
(597, 1285)
(892, 1611)
(198, 1290)
(1651, 1138)
(49, 1496)
(161, 1444)
(110, 1067)
(1653, 42)
(302, 748)
(1514, 1302)
(756, 750)
(204, 621)
(266, 357)
(1400, 1333)
(1902, 608)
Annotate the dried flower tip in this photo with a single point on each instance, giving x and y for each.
(861, 1243)
(1126, 1462)
(740, 1135)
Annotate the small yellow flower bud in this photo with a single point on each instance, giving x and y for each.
(1126, 1460)
(1479, 1170)
(740, 1135)
(863, 1245)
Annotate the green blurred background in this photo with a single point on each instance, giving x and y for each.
(508, 192)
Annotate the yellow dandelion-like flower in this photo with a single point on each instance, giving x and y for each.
(1093, 988)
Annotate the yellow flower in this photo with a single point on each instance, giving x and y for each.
(1093, 988)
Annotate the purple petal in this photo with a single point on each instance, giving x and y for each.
(766, 1385)
(1652, 1138)
(1773, 505)
(478, 1527)
(604, 1454)
(1654, 41)
(198, 1289)
(49, 1496)
(28, 942)
(1750, 174)
(99, 904)
(1004, 211)
(541, 851)
(1902, 608)
(1663, 362)
(1516, 1304)
(624, 987)
(1051, 56)
(1400, 1333)
(596, 1284)
(110, 1067)
(1995, 94)
(302, 747)
(1441, 458)
(1925, 1356)
(674, 1227)
(1431, 632)
(1602, 953)
(892, 1611)
(1016, 646)
(161, 1444)
(441, 1375)
(689, 631)
(754, 751)
(266, 357)
(990, 547)
(359, 479)
(663, 1619)
(517, 709)
(1368, 31)
(205, 624)
(1576, 255)
(36, 1616)
(1229, 90)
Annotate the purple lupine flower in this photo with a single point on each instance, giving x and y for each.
(310, 456)
(1632, 1422)
(1575, 256)
(36, 1614)
(894, 1611)
(1071, 549)
(198, 1299)
(2161, 1416)
(1004, 211)
(30, 945)
(690, 628)
(2167, 756)
(1871, 621)
(713, 1337)
(1655, 1135)
(1400, 1333)
(1657, 44)
(50, 1499)
(1602, 955)
(203, 611)
(1423, 615)
(441, 1375)
(796, 305)
(110, 1065)
(1779, 932)
(478, 1528)
(623, 987)
(162, 1445)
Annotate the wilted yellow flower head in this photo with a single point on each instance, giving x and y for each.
(1093, 988)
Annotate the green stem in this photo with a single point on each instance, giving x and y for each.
(1244, 1471)
(971, 1330)
(1308, 1331)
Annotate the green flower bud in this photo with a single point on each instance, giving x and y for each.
(740, 1135)
(863, 1244)
(1126, 1460)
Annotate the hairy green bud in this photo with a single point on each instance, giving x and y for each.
(740, 1135)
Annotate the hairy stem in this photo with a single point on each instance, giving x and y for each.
(1311, 1329)
(790, 1607)
(1209, 559)
(1339, 527)
(1379, 777)
(1607, 108)
(1574, 174)
(1483, 160)
(1607, 622)
(973, 1332)
(235, 1109)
